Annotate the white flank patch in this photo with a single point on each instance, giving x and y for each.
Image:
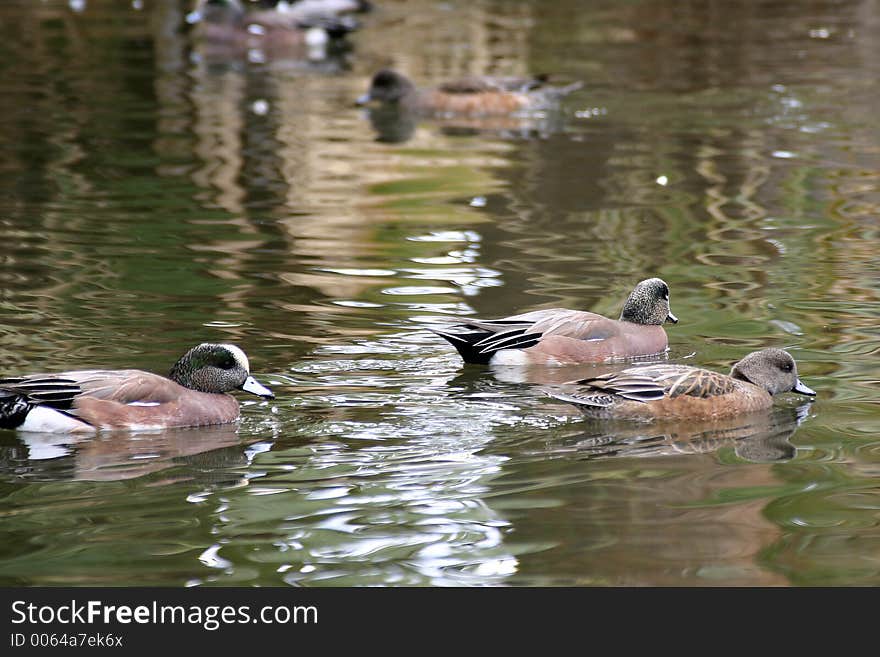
(45, 419)
(140, 403)
(509, 357)
(239, 356)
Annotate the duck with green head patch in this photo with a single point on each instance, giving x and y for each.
(195, 394)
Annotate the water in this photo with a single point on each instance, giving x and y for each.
(157, 193)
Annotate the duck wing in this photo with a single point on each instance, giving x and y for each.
(603, 391)
(55, 391)
(645, 384)
(60, 391)
(130, 387)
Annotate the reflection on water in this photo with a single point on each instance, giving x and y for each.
(393, 125)
(114, 456)
(155, 194)
(760, 437)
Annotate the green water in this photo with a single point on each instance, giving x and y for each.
(155, 195)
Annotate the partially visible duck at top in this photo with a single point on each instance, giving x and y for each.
(223, 18)
(470, 96)
(559, 336)
(668, 391)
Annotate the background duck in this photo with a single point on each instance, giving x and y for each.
(308, 22)
(472, 96)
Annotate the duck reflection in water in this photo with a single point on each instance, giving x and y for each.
(204, 453)
(308, 30)
(758, 437)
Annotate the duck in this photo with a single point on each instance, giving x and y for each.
(469, 96)
(559, 336)
(79, 401)
(669, 391)
(306, 20)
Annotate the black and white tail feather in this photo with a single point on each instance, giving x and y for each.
(478, 340)
(18, 396)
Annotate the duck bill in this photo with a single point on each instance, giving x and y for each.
(672, 318)
(802, 389)
(254, 387)
(363, 100)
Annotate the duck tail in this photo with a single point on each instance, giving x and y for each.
(464, 339)
(14, 407)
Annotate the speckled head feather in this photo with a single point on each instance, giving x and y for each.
(648, 303)
(774, 370)
(211, 368)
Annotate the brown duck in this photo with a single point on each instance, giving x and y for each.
(470, 96)
(672, 392)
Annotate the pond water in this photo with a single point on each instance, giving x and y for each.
(157, 193)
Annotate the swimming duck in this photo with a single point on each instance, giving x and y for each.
(558, 336)
(668, 391)
(194, 394)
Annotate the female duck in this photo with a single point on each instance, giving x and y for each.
(679, 392)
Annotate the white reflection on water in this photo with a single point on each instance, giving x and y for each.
(395, 490)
